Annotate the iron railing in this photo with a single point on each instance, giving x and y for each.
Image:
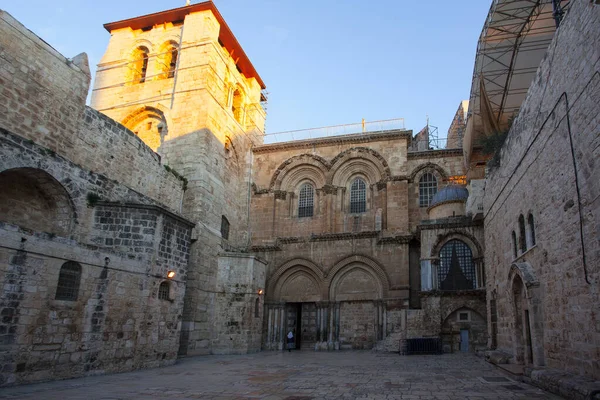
(336, 130)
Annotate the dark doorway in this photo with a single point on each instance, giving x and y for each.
(302, 320)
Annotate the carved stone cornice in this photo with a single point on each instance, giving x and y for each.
(435, 153)
(396, 178)
(454, 293)
(265, 248)
(397, 239)
(342, 139)
(324, 237)
(449, 223)
(280, 194)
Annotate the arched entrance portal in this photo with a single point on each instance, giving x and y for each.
(342, 309)
(526, 315)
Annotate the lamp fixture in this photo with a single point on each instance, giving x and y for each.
(171, 274)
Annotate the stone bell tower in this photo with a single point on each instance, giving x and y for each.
(181, 82)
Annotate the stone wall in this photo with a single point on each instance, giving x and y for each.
(547, 293)
(43, 100)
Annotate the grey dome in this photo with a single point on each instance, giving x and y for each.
(450, 193)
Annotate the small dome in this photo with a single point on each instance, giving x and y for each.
(450, 193)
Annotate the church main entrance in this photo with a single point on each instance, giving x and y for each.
(302, 320)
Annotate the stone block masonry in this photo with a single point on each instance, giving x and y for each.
(543, 209)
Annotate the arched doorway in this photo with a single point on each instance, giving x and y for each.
(464, 330)
(33, 199)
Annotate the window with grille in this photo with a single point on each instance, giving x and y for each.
(463, 278)
(358, 196)
(224, 228)
(427, 189)
(163, 291)
(306, 201)
(68, 281)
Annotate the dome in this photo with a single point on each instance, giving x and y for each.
(450, 193)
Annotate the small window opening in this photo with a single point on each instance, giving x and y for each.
(522, 239)
(358, 196)
(463, 316)
(69, 279)
(531, 228)
(172, 63)
(140, 64)
(514, 244)
(163, 290)
(224, 228)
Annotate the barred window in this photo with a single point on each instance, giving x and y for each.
(427, 189)
(68, 281)
(358, 196)
(224, 228)
(457, 269)
(306, 201)
(163, 291)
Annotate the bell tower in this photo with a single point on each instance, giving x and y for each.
(170, 73)
(181, 82)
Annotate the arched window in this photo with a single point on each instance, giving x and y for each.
(257, 308)
(531, 229)
(514, 244)
(237, 106)
(358, 196)
(224, 228)
(172, 62)
(68, 281)
(457, 269)
(522, 240)
(427, 189)
(306, 201)
(163, 290)
(139, 65)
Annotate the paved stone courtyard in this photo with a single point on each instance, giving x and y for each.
(297, 376)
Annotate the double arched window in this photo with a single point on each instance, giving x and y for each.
(68, 281)
(358, 196)
(306, 200)
(457, 269)
(427, 189)
(139, 64)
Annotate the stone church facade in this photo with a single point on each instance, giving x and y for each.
(156, 223)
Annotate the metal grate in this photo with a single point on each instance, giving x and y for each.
(427, 189)
(421, 346)
(358, 196)
(163, 291)
(465, 259)
(68, 281)
(306, 201)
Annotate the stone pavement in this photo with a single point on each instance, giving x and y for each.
(298, 375)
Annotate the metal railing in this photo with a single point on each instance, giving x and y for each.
(336, 130)
(421, 346)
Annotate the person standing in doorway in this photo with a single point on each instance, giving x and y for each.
(290, 340)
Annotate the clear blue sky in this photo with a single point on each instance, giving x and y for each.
(325, 62)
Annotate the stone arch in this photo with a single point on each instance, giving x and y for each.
(138, 62)
(364, 264)
(358, 159)
(524, 295)
(166, 59)
(296, 168)
(149, 124)
(475, 324)
(34, 199)
(290, 270)
(439, 172)
(466, 237)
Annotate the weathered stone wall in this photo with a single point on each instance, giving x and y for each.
(43, 99)
(549, 170)
(205, 135)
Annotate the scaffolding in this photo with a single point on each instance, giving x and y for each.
(513, 41)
